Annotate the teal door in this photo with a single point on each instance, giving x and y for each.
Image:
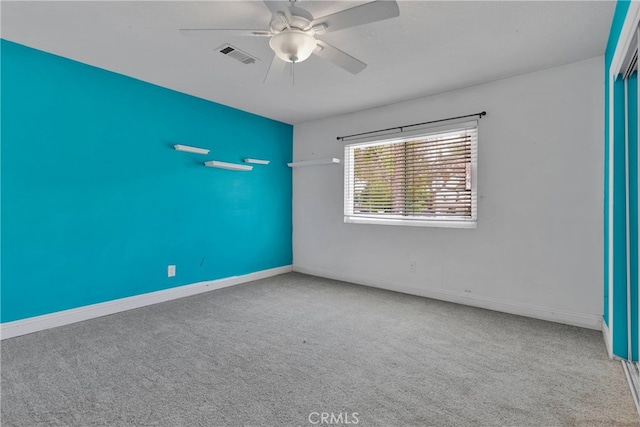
(631, 101)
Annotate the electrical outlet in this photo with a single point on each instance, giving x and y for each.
(171, 271)
(412, 266)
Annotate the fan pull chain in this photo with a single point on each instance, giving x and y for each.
(267, 74)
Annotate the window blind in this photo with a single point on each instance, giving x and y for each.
(428, 177)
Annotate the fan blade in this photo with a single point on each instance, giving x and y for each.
(359, 15)
(276, 69)
(338, 57)
(199, 32)
(279, 7)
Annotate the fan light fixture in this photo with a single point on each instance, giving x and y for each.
(293, 45)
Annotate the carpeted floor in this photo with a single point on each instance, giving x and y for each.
(281, 351)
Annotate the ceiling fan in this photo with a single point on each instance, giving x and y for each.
(293, 30)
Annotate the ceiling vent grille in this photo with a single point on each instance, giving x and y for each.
(237, 54)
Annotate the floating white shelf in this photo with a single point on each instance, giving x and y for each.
(314, 162)
(191, 149)
(230, 166)
(257, 161)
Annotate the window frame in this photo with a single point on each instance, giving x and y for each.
(398, 220)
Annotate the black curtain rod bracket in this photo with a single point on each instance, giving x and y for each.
(402, 128)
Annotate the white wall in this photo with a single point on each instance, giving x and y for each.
(537, 250)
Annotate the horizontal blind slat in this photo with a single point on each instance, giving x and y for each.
(420, 177)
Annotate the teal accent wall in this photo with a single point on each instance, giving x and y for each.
(96, 202)
(619, 16)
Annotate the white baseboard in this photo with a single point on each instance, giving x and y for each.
(60, 318)
(536, 312)
(606, 334)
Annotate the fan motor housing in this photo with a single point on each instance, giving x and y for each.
(296, 22)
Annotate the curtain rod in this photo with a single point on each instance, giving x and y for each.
(480, 115)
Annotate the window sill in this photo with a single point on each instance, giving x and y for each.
(412, 223)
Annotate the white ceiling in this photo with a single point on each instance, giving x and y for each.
(430, 48)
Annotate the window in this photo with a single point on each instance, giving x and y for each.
(427, 179)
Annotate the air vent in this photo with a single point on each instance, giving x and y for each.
(237, 54)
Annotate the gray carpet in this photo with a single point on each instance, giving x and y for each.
(274, 351)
